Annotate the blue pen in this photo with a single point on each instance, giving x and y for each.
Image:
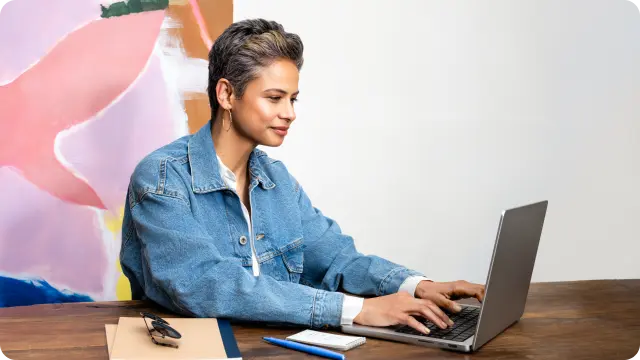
(305, 348)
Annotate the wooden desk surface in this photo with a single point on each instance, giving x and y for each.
(571, 320)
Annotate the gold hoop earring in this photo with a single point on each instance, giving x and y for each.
(230, 120)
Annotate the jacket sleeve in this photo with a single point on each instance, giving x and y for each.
(185, 264)
(332, 262)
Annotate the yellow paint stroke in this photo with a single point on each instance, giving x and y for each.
(123, 287)
(114, 225)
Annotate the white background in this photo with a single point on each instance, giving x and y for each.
(420, 121)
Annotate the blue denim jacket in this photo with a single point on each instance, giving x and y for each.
(183, 243)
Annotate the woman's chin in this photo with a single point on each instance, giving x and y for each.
(273, 141)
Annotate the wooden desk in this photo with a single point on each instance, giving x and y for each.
(574, 320)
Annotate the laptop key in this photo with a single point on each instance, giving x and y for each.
(467, 333)
(406, 330)
(466, 326)
(413, 331)
(462, 337)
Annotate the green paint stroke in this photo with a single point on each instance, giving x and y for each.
(132, 6)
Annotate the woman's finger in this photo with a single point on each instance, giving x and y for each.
(411, 321)
(428, 314)
(436, 310)
(445, 303)
(463, 289)
(430, 311)
(476, 291)
(480, 296)
(423, 315)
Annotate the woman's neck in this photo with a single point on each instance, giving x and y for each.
(232, 148)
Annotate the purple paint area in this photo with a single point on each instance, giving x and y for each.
(106, 149)
(30, 28)
(45, 237)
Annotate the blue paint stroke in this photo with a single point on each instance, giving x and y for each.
(14, 292)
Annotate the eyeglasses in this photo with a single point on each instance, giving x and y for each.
(160, 326)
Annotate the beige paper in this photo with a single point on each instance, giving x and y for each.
(110, 330)
(201, 340)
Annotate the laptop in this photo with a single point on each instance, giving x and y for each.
(506, 290)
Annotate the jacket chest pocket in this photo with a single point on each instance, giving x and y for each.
(292, 256)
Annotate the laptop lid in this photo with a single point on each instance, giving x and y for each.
(511, 268)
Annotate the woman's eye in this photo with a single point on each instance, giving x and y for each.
(294, 100)
(275, 98)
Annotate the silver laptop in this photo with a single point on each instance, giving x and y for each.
(506, 290)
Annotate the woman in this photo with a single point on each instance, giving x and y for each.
(213, 227)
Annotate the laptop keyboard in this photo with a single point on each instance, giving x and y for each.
(463, 328)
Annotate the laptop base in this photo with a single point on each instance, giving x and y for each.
(393, 335)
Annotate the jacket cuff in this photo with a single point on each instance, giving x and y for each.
(327, 309)
(391, 283)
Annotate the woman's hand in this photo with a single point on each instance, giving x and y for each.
(443, 293)
(400, 308)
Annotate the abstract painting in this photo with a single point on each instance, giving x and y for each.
(87, 89)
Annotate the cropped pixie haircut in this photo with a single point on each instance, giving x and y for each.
(246, 47)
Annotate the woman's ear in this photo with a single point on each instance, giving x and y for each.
(224, 94)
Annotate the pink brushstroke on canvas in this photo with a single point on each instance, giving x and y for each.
(30, 28)
(44, 236)
(204, 33)
(80, 76)
(105, 153)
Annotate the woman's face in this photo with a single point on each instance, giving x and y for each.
(265, 111)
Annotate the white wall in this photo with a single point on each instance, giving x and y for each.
(419, 121)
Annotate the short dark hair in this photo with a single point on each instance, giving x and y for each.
(243, 49)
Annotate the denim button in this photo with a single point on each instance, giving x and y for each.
(243, 240)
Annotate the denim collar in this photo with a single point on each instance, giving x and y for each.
(205, 171)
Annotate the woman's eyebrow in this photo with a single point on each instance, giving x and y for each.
(283, 92)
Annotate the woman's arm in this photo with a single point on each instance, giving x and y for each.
(333, 263)
(179, 258)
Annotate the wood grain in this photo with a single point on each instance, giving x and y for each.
(566, 320)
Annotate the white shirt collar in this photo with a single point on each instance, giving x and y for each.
(227, 175)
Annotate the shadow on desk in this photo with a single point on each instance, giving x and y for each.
(565, 320)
